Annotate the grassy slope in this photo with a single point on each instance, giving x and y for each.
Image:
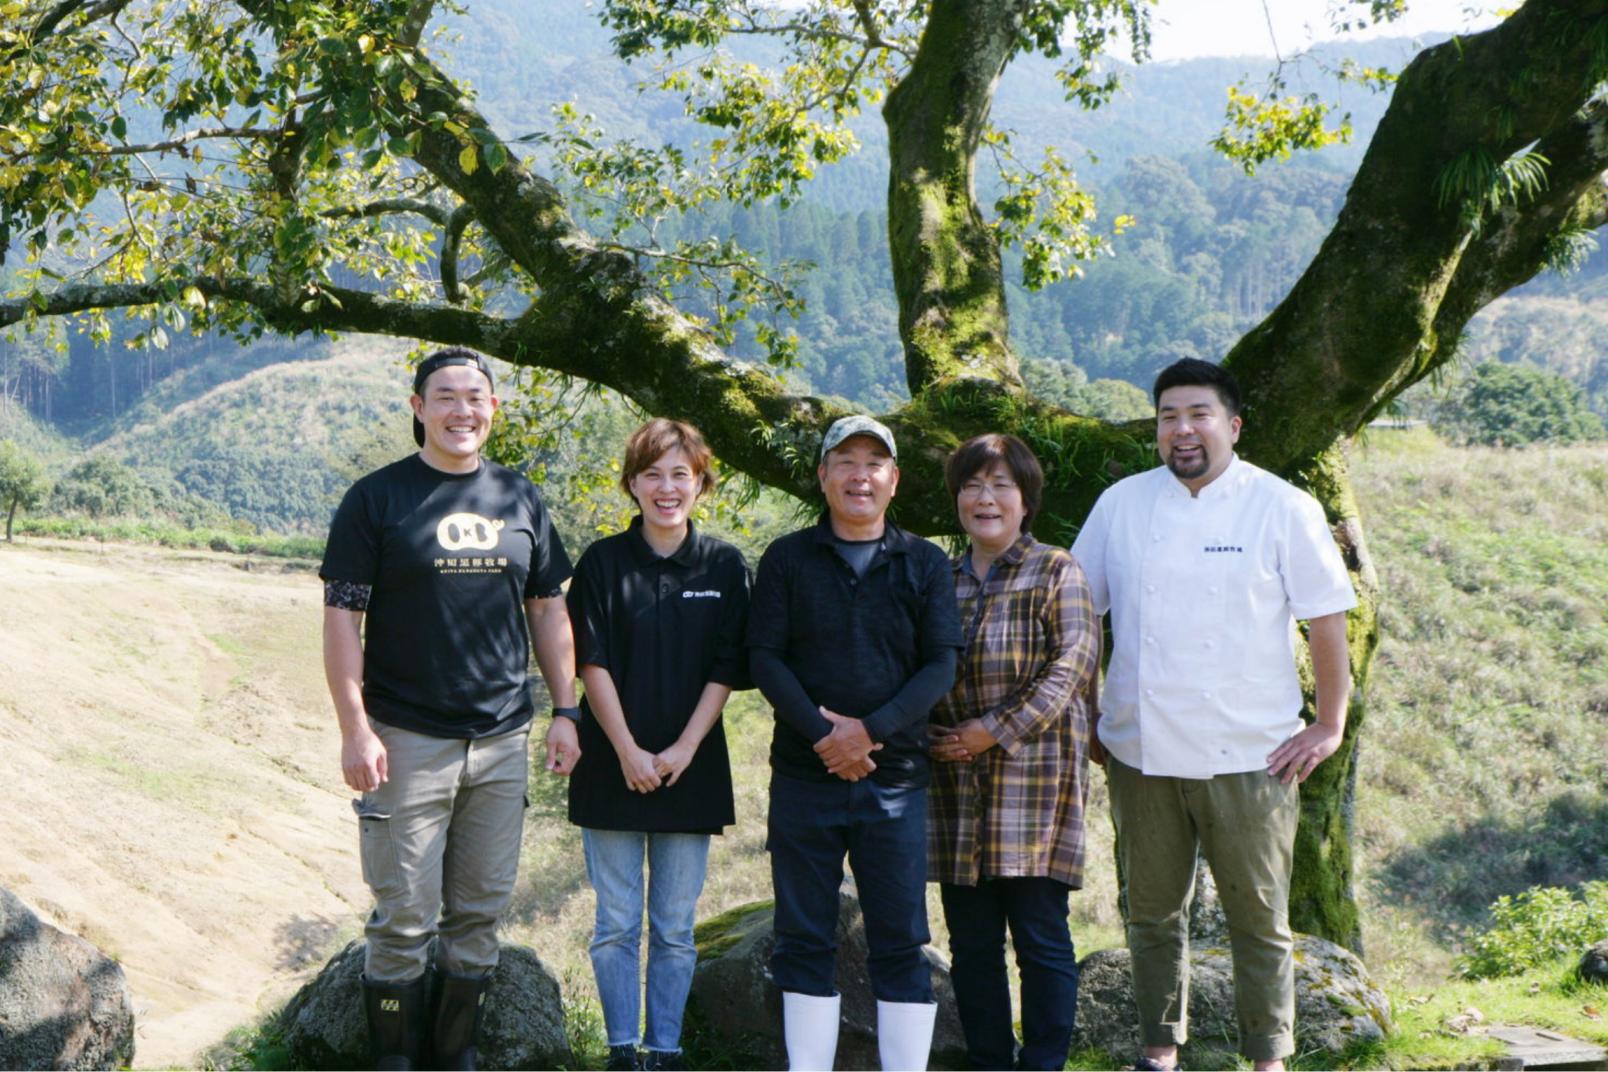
(1487, 751)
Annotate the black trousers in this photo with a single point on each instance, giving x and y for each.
(1035, 910)
(883, 832)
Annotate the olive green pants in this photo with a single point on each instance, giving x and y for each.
(1244, 827)
(440, 848)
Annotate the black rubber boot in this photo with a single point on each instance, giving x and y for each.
(397, 1015)
(459, 1001)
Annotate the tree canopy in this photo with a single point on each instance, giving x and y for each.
(313, 165)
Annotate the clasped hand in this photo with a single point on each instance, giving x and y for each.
(846, 751)
(646, 771)
(962, 741)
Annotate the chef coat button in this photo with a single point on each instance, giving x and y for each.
(1155, 537)
(1211, 643)
(1150, 640)
(1150, 588)
(1212, 590)
(1150, 692)
(1205, 696)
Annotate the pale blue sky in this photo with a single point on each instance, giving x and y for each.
(1183, 29)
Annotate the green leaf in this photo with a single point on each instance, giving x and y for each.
(496, 157)
(119, 127)
(468, 159)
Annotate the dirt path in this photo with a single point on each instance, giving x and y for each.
(168, 787)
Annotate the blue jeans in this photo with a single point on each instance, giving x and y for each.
(676, 866)
(883, 830)
(1036, 910)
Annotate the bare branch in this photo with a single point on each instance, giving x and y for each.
(418, 17)
(326, 308)
(870, 40)
(461, 217)
(50, 20)
(191, 136)
(391, 206)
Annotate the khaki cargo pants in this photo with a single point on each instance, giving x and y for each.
(1244, 826)
(440, 846)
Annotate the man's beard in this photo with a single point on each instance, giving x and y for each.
(1192, 470)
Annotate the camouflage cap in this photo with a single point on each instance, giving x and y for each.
(859, 424)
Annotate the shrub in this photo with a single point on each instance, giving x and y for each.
(1513, 405)
(1536, 927)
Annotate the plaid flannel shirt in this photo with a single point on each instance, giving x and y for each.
(1032, 647)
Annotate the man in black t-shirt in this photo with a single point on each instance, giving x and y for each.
(853, 632)
(435, 568)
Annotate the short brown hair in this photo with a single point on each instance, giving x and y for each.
(650, 443)
(983, 452)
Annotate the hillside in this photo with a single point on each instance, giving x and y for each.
(172, 793)
(279, 445)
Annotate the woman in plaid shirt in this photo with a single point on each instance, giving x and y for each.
(1011, 744)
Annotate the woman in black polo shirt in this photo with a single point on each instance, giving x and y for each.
(659, 613)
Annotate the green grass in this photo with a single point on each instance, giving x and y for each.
(1429, 1031)
(170, 534)
(1485, 753)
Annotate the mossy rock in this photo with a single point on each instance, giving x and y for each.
(323, 1026)
(734, 1013)
(1336, 1004)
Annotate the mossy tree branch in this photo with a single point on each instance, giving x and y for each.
(946, 260)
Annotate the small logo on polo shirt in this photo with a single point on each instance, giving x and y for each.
(707, 593)
(459, 531)
(1218, 548)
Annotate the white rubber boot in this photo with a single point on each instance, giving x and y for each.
(904, 1034)
(810, 1027)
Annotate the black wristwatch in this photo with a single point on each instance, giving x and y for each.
(571, 713)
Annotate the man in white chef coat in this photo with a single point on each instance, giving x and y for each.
(1206, 563)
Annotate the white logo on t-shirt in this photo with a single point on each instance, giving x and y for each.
(707, 593)
(458, 531)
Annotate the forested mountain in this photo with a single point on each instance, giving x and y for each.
(1208, 254)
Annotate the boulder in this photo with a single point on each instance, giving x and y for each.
(322, 1026)
(1207, 923)
(1336, 1003)
(1594, 963)
(734, 1013)
(63, 1003)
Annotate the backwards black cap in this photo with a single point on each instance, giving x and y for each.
(452, 355)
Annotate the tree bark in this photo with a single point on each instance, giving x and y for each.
(946, 258)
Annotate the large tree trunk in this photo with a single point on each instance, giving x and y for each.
(946, 258)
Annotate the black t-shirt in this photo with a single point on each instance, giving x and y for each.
(451, 559)
(663, 628)
(880, 648)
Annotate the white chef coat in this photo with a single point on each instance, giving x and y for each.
(1204, 593)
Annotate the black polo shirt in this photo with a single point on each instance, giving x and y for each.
(880, 648)
(663, 628)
